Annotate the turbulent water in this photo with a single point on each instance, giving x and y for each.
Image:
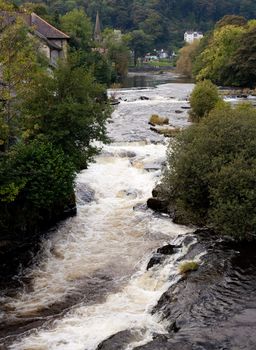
(89, 280)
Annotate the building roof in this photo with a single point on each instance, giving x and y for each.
(41, 27)
(50, 43)
(45, 28)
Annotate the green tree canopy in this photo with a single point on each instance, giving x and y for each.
(68, 109)
(20, 63)
(117, 50)
(78, 25)
(232, 20)
(218, 54)
(241, 71)
(203, 99)
(140, 43)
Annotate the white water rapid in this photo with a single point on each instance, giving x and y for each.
(94, 265)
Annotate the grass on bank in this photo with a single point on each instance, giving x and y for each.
(188, 266)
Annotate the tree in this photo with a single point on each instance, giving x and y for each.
(211, 176)
(203, 99)
(117, 50)
(69, 110)
(140, 43)
(164, 20)
(186, 58)
(20, 63)
(79, 27)
(241, 71)
(218, 54)
(6, 6)
(232, 20)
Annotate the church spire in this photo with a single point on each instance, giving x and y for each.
(97, 30)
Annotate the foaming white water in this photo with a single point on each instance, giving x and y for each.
(107, 245)
(86, 326)
(105, 236)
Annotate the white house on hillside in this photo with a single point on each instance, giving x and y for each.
(190, 36)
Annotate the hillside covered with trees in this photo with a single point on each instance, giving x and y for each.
(165, 21)
(226, 56)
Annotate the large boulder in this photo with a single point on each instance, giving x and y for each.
(157, 204)
(155, 260)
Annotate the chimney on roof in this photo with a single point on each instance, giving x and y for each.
(97, 30)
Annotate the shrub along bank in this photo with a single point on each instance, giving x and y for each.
(211, 174)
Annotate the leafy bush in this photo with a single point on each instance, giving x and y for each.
(40, 182)
(203, 99)
(212, 172)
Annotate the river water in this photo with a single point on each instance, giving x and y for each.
(89, 287)
(89, 280)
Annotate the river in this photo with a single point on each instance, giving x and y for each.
(89, 287)
(89, 280)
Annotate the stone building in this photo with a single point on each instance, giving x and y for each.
(52, 42)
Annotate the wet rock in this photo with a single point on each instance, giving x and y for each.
(118, 341)
(140, 207)
(167, 249)
(157, 204)
(144, 98)
(186, 107)
(165, 343)
(155, 260)
(114, 102)
(188, 240)
(126, 154)
(85, 193)
(173, 327)
(137, 164)
(153, 166)
(157, 191)
(107, 154)
(205, 310)
(178, 111)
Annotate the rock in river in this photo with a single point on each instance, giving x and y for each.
(85, 193)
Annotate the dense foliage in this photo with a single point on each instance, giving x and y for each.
(186, 58)
(203, 99)
(164, 20)
(212, 172)
(68, 109)
(49, 122)
(226, 56)
(36, 185)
